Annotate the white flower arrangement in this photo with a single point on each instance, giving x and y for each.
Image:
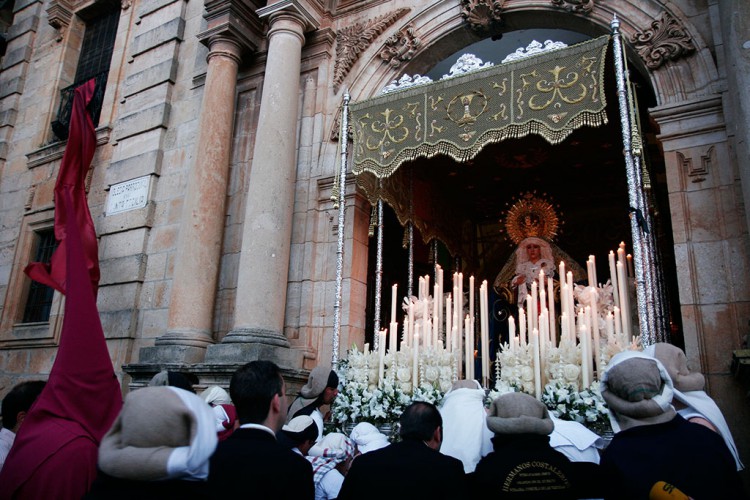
(364, 398)
(586, 407)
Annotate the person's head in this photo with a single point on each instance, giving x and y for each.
(160, 433)
(215, 395)
(421, 421)
(302, 432)
(519, 413)
(638, 390)
(334, 450)
(173, 379)
(674, 360)
(368, 438)
(533, 249)
(322, 385)
(258, 392)
(18, 402)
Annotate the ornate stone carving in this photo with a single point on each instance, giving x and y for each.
(697, 171)
(352, 40)
(532, 49)
(126, 4)
(400, 47)
(59, 16)
(667, 40)
(482, 15)
(466, 64)
(336, 129)
(579, 6)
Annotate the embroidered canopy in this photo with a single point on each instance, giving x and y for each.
(550, 94)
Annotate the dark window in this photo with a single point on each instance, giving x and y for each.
(39, 302)
(93, 62)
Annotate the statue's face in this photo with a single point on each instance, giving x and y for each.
(534, 252)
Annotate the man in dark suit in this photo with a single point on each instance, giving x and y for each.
(250, 462)
(412, 468)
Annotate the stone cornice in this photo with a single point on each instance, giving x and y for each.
(235, 19)
(305, 13)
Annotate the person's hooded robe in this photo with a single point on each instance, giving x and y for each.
(54, 454)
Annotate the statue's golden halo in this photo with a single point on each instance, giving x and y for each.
(531, 215)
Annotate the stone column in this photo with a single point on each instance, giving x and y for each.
(266, 239)
(232, 29)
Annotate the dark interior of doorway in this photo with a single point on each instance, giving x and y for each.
(584, 176)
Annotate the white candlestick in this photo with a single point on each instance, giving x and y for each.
(394, 296)
(426, 286)
(522, 326)
(537, 362)
(631, 271)
(613, 278)
(534, 316)
(571, 305)
(529, 315)
(420, 294)
(511, 328)
(448, 323)
(410, 311)
(624, 299)
(564, 335)
(435, 321)
(552, 316)
(440, 299)
(543, 343)
(585, 357)
(392, 337)
(415, 359)
(471, 300)
(618, 322)
(469, 370)
(484, 329)
(381, 356)
(609, 327)
(595, 329)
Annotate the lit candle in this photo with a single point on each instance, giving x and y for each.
(511, 328)
(440, 298)
(563, 311)
(381, 356)
(394, 295)
(393, 341)
(448, 323)
(585, 356)
(618, 322)
(483, 310)
(542, 295)
(624, 299)
(420, 294)
(534, 306)
(522, 326)
(613, 278)
(595, 328)
(537, 363)
(529, 316)
(469, 369)
(631, 272)
(609, 323)
(562, 270)
(552, 316)
(415, 359)
(435, 321)
(471, 299)
(571, 304)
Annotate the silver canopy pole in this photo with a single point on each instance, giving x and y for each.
(643, 280)
(344, 141)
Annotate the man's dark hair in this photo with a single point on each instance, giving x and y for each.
(419, 421)
(252, 388)
(19, 399)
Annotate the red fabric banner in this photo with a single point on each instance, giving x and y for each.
(55, 451)
(72, 176)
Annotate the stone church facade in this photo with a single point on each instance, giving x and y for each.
(224, 116)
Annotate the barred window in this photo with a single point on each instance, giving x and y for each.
(39, 301)
(93, 62)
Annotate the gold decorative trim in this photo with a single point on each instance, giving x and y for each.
(531, 215)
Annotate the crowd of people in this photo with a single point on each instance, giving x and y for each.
(168, 442)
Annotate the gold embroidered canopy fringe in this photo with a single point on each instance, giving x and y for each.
(550, 94)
